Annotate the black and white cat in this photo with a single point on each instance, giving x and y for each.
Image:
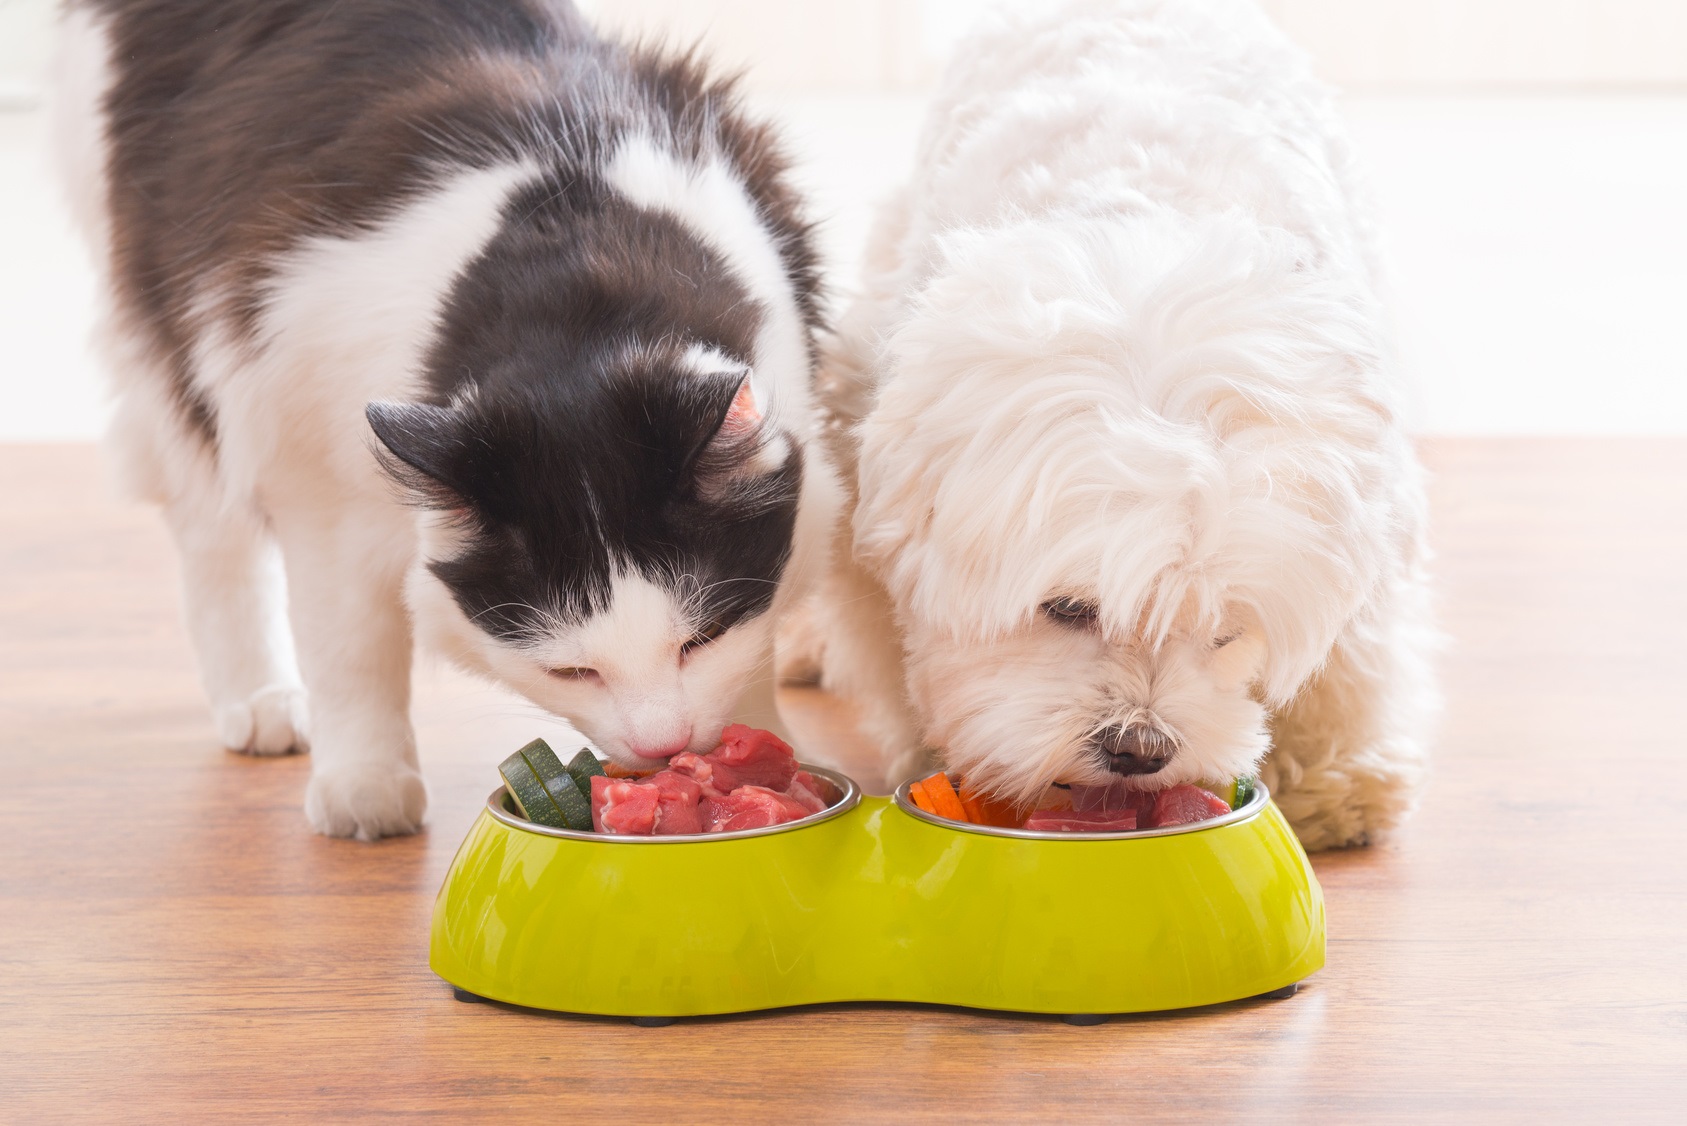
(500, 332)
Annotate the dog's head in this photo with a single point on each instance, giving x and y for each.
(1125, 484)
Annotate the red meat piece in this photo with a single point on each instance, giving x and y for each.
(624, 807)
(714, 813)
(1082, 821)
(1185, 804)
(702, 771)
(676, 803)
(807, 791)
(753, 758)
(750, 807)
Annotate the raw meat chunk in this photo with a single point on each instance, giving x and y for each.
(753, 807)
(624, 807)
(676, 804)
(702, 771)
(808, 792)
(750, 757)
(1184, 804)
(750, 781)
(1081, 821)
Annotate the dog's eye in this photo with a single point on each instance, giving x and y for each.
(575, 672)
(710, 630)
(1223, 641)
(1072, 612)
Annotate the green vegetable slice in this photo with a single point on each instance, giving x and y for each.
(575, 807)
(1244, 792)
(1225, 790)
(583, 767)
(543, 760)
(528, 793)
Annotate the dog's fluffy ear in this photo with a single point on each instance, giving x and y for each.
(421, 449)
(744, 448)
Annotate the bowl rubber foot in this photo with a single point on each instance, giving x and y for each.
(1279, 994)
(466, 997)
(653, 1022)
(1085, 1020)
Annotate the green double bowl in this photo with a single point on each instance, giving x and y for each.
(875, 900)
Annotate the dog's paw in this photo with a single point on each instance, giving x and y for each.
(271, 721)
(366, 801)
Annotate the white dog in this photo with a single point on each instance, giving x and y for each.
(1131, 493)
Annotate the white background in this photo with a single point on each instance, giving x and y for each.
(1530, 158)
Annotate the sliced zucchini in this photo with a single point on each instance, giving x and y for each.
(528, 793)
(1225, 790)
(543, 760)
(575, 807)
(583, 767)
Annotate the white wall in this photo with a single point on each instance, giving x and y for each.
(888, 45)
(1503, 44)
(880, 46)
(25, 46)
(1537, 240)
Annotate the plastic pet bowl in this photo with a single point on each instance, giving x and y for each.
(875, 900)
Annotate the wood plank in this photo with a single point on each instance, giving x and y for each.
(175, 943)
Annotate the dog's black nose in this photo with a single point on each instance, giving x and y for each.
(1136, 749)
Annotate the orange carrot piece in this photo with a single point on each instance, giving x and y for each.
(917, 794)
(989, 811)
(616, 770)
(943, 797)
(1004, 815)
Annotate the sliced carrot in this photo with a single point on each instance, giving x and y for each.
(616, 770)
(943, 798)
(989, 811)
(917, 794)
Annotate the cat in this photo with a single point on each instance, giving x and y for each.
(453, 319)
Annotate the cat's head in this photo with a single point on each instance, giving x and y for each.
(609, 544)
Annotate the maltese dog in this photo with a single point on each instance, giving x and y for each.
(1131, 498)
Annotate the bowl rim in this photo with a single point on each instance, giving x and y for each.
(1247, 811)
(844, 783)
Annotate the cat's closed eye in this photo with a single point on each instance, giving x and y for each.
(710, 630)
(576, 672)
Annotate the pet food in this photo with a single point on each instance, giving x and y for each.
(750, 807)
(546, 791)
(1082, 821)
(750, 781)
(1081, 809)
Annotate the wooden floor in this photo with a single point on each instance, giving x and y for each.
(175, 945)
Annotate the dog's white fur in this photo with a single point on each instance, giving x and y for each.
(1119, 341)
(348, 322)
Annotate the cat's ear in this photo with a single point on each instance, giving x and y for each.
(421, 449)
(745, 413)
(745, 449)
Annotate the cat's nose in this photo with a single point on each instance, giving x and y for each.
(659, 750)
(1134, 749)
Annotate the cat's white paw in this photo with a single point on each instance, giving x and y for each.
(366, 800)
(271, 721)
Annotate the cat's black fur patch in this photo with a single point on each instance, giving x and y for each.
(565, 431)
